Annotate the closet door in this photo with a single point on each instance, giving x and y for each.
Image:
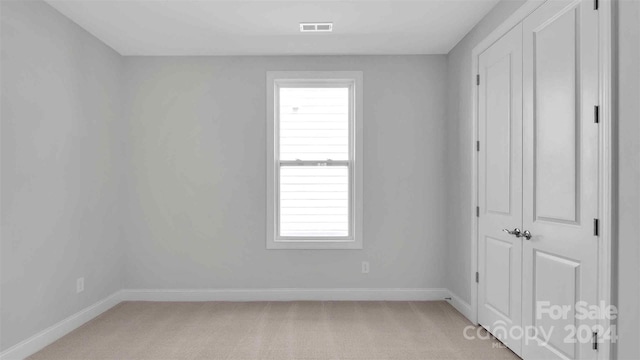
(500, 187)
(560, 177)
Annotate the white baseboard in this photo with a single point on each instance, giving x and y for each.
(462, 306)
(47, 336)
(283, 294)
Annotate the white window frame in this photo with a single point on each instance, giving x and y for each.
(352, 79)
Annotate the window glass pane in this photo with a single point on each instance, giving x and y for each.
(314, 123)
(314, 201)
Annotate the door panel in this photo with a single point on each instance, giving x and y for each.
(555, 281)
(498, 254)
(560, 175)
(556, 121)
(498, 153)
(500, 186)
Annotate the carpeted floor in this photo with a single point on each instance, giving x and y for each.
(276, 330)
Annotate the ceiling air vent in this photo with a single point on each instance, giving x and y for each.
(316, 27)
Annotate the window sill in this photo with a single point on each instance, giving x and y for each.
(314, 245)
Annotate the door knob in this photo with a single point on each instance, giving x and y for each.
(527, 234)
(515, 232)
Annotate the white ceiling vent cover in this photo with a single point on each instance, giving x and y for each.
(316, 27)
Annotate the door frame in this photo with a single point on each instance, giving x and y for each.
(607, 186)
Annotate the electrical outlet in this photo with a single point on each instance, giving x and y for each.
(365, 267)
(80, 285)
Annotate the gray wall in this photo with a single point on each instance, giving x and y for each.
(459, 145)
(60, 169)
(629, 184)
(197, 175)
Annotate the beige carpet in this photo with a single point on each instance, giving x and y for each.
(275, 330)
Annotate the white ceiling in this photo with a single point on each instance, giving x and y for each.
(266, 27)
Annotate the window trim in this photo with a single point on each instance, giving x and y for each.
(353, 79)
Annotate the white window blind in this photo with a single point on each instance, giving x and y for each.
(314, 162)
(313, 194)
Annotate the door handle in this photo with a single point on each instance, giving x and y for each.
(527, 234)
(515, 232)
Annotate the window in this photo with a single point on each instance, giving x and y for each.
(314, 160)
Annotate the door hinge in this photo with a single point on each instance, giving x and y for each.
(595, 341)
(596, 227)
(477, 211)
(477, 277)
(596, 114)
(477, 145)
(595, 4)
(478, 79)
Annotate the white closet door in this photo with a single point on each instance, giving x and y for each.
(500, 187)
(560, 176)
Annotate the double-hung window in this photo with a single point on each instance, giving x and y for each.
(314, 160)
